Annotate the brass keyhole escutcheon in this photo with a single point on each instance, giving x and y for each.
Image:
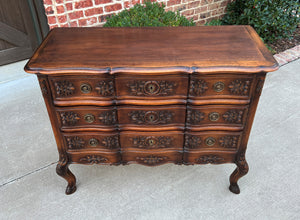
(151, 142)
(210, 141)
(214, 116)
(151, 88)
(219, 86)
(89, 118)
(93, 142)
(151, 118)
(85, 88)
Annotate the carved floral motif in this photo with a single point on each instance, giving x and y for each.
(108, 117)
(75, 142)
(239, 87)
(146, 88)
(64, 88)
(209, 159)
(229, 141)
(151, 142)
(192, 141)
(242, 164)
(91, 159)
(233, 116)
(151, 160)
(194, 116)
(198, 87)
(151, 117)
(111, 142)
(69, 118)
(105, 88)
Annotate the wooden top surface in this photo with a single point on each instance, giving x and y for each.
(206, 49)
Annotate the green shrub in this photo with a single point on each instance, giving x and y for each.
(272, 19)
(215, 22)
(149, 14)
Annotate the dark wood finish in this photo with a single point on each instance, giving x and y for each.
(152, 96)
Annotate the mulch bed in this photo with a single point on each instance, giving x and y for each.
(284, 44)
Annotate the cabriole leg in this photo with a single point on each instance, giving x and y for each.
(241, 170)
(63, 171)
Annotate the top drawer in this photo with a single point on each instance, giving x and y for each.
(88, 90)
(221, 89)
(152, 90)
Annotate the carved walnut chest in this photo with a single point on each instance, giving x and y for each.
(183, 95)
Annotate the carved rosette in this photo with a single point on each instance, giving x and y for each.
(105, 88)
(108, 117)
(239, 87)
(151, 88)
(198, 87)
(64, 88)
(111, 142)
(192, 141)
(233, 116)
(214, 159)
(194, 116)
(69, 118)
(43, 86)
(75, 142)
(229, 141)
(151, 160)
(242, 163)
(151, 142)
(91, 159)
(151, 117)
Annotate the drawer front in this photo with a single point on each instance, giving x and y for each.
(153, 158)
(152, 87)
(147, 118)
(71, 88)
(91, 141)
(211, 116)
(195, 141)
(95, 158)
(233, 86)
(152, 140)
(208, 157)
(87, 118)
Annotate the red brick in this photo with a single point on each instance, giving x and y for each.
(60, 9)
(52, 20)
(64, 25)
(75, 15)
(83, 4)
(53, 26)
(200, 22)
(87, 21)
(193, 4)
(224, 3)
(98, 2)
(59, 1)
(205, 2)
(47, 2)
(69, 6)
(103, 18)
(127, 4)
(93, 11)
(180, 7)
(114, 7)
(73, 24)
(201, 9)
(213, 6)
(204, 15)
(173, 2)
(49, 10)
(134, 2)
(62, 18)
(188, 12)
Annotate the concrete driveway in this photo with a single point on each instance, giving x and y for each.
(30, 188)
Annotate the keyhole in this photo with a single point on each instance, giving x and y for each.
(151, 142)
(151, 88)
(151, 117)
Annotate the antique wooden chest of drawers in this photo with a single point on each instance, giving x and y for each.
(184, 95)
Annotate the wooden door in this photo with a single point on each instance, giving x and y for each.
(20, 33)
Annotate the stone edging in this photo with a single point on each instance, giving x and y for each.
(288, 55)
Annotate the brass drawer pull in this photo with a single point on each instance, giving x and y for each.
(214, 116)
(219, 86)
(85, 88)
(89, 118)
(93, 142)
(210, 141)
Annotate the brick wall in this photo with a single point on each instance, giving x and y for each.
(83, 13)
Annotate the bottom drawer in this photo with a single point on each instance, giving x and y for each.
(95, 158)
(208, 157)
(153, 158)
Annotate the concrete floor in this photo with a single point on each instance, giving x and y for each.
(30, 188)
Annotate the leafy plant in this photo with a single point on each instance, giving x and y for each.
(215, 22)
(148, 14)
(272, 19)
